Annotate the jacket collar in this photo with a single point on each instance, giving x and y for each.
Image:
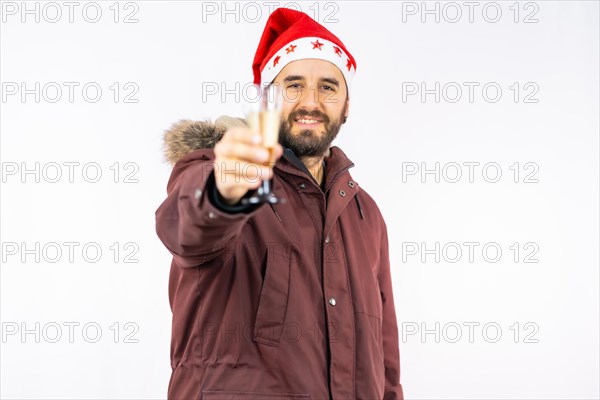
(337, 163)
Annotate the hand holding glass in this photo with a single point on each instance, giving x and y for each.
(263, 116)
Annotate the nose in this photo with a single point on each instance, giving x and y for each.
(310, 97)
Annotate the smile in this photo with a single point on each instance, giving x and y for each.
(308, 121)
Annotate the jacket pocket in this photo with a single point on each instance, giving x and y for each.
(235, 395)
(370, 367)
(272, 306)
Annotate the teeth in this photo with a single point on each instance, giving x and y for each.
(307, 121)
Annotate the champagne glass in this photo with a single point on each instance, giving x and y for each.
(264, 116)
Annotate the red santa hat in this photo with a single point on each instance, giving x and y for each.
(292, 35)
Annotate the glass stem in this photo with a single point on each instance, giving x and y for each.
(266, 185)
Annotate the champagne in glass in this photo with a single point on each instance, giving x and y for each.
(269, 127)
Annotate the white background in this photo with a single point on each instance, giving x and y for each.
(176, 49)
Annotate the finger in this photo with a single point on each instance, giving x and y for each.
(243, 171)
(256, 172)
(277, 151)
(240, 151)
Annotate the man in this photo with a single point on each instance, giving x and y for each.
(280, 301)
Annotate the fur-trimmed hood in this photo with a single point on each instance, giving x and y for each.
(186, 136)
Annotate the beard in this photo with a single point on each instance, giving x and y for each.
(308, 142)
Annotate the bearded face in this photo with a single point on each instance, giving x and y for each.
(310, 133)
(314, 108)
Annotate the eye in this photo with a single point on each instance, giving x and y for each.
(294, 86)
(328, 88)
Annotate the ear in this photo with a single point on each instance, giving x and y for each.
(346, 109)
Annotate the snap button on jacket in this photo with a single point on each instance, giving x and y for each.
(292, 301)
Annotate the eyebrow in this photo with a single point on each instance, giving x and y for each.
(332, 81)
(292, 78)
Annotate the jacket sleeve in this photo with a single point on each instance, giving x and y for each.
(391, 351)
(190, 225)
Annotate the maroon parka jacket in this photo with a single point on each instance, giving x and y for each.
(290, 301)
